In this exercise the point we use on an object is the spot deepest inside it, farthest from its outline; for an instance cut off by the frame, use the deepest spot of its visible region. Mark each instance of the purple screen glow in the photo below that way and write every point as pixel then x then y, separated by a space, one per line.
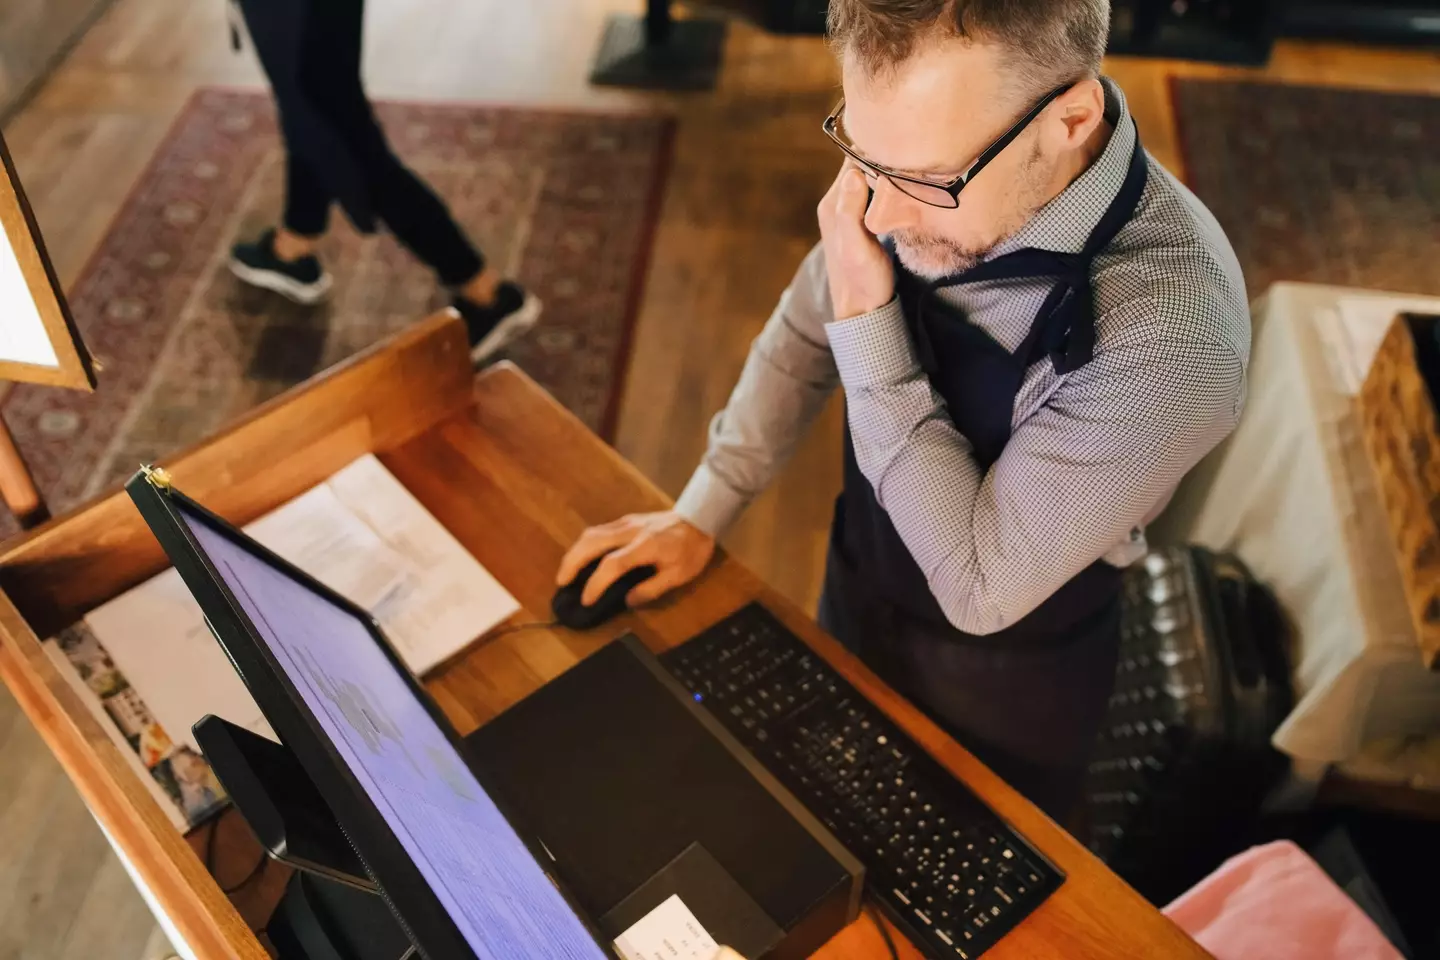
pixel 502 902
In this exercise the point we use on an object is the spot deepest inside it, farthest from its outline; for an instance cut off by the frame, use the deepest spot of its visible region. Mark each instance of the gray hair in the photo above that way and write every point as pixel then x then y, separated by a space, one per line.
pixel 1047 42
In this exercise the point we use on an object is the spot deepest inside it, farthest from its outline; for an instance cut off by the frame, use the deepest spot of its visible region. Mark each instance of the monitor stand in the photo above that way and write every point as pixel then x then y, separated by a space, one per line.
pixel 331 910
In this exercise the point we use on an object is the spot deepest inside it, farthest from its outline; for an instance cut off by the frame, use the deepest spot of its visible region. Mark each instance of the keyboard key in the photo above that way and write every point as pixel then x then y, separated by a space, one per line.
pixel 1016 887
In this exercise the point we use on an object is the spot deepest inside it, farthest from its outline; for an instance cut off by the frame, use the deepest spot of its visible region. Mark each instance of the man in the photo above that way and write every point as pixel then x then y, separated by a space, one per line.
pixel 1038 331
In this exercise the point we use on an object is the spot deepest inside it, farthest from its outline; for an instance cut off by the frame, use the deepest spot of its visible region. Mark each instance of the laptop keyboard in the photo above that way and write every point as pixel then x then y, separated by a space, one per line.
pixel 946 868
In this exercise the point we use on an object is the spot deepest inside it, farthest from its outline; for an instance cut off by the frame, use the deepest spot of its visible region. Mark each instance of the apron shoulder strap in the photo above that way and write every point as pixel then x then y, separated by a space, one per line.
pixel 1064 329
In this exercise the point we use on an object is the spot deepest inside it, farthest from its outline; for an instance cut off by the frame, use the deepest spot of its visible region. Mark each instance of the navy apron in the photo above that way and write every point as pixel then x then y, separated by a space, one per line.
pixel 1027 700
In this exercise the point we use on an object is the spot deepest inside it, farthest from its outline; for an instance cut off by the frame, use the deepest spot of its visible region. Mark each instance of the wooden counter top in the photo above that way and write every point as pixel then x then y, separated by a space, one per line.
pixel 515 478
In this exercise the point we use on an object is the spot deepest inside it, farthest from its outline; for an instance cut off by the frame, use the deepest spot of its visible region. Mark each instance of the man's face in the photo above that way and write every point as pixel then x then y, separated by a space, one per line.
pixel 932 118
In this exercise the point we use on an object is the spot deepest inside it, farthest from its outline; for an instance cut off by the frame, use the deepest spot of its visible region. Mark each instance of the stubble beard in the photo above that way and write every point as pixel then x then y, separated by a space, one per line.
pixel 933 257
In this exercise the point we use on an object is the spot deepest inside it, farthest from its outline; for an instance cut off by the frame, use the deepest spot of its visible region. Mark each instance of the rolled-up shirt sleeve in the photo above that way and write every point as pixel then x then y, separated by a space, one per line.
pixel 1074 478
pixel 788 376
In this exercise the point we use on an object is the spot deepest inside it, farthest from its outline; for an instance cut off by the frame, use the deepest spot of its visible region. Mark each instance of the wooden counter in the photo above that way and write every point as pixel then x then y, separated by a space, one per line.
pixel 515 478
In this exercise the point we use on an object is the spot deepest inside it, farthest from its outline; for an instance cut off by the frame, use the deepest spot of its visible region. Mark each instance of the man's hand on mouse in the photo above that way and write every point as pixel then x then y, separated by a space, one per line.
pixel 862 276
pixel 677 550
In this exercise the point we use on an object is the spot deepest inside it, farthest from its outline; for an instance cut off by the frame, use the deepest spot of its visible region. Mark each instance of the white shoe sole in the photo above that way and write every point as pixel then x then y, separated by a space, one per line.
pixel 507 331
pixel 308 294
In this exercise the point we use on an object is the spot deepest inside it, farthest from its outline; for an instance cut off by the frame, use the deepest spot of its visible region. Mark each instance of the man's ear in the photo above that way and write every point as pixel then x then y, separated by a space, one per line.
pixel 1082 109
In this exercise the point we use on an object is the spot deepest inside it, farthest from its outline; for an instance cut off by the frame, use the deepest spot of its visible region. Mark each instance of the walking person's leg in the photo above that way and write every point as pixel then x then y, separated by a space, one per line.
pixel 318 53
pixel 496 311
pixel 283 259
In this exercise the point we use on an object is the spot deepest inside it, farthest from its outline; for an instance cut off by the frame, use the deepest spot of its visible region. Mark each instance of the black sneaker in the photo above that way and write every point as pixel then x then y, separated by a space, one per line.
pixel 304 280
pixel 494 327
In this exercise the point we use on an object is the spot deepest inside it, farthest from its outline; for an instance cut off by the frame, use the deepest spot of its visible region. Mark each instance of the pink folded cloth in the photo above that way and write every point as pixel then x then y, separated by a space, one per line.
pixel 1275 903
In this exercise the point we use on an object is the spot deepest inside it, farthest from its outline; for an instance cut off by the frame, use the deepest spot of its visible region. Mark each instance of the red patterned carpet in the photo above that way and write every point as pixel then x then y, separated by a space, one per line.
pixel 566 201
pixel 1319 184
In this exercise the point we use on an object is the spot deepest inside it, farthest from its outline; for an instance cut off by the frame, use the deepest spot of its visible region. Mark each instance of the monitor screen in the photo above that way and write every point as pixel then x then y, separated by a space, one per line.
pixel 483 874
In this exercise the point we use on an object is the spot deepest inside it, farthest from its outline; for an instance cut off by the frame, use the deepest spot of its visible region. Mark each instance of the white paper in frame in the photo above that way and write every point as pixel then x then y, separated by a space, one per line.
pixel 38 339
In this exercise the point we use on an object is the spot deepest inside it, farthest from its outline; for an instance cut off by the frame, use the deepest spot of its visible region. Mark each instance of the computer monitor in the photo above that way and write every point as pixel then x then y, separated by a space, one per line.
pixel 458 876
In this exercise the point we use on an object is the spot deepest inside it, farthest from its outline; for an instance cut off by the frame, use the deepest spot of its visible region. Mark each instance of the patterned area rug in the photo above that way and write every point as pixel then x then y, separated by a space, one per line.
pixel 565 201
pixel 1318 184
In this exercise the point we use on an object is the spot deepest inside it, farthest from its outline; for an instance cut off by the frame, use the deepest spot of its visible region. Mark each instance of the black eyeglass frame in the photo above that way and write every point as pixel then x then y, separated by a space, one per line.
pixel 951 187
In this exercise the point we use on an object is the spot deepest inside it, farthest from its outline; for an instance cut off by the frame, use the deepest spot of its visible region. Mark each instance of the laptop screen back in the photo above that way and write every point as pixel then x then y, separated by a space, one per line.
pixel 487 880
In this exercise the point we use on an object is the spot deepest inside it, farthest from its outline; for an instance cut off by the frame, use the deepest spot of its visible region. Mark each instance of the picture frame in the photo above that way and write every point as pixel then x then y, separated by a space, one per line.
pixel 39 342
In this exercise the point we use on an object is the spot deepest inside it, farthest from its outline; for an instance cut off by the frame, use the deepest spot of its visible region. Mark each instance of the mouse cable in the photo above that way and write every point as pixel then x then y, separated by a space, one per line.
pixel 501 631
pixel 879 922
pixel 510 628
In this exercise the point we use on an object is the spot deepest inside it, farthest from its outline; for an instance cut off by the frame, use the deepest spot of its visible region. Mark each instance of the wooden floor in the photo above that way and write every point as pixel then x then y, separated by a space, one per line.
pixel 750 165
pixel 35 33
pixel 63 893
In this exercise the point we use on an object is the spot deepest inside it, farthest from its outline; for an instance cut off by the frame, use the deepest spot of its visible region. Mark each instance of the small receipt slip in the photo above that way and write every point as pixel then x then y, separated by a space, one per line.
pixel 669 932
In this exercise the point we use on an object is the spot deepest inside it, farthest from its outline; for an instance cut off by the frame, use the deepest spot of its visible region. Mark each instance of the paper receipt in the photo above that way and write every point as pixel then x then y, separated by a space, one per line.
pixel 669 932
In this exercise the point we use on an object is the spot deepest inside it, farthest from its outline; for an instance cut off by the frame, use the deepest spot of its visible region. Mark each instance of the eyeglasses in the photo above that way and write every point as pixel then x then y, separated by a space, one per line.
pixel 936 194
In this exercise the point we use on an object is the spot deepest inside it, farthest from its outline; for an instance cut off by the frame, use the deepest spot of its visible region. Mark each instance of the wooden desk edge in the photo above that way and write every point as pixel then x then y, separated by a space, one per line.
pixel 200 912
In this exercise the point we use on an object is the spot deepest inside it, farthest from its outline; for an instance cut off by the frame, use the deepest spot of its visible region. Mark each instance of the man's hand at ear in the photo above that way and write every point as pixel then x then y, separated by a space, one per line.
pixel 862 278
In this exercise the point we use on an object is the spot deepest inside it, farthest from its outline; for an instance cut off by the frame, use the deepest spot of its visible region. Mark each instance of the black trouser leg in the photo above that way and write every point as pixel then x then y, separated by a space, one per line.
pixel 407 206
pixel 330 79
pixel 307 200
pixel 421 221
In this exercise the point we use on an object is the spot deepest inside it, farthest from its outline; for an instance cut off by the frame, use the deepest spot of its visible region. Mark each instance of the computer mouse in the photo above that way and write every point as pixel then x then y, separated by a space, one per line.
pixel 570 612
